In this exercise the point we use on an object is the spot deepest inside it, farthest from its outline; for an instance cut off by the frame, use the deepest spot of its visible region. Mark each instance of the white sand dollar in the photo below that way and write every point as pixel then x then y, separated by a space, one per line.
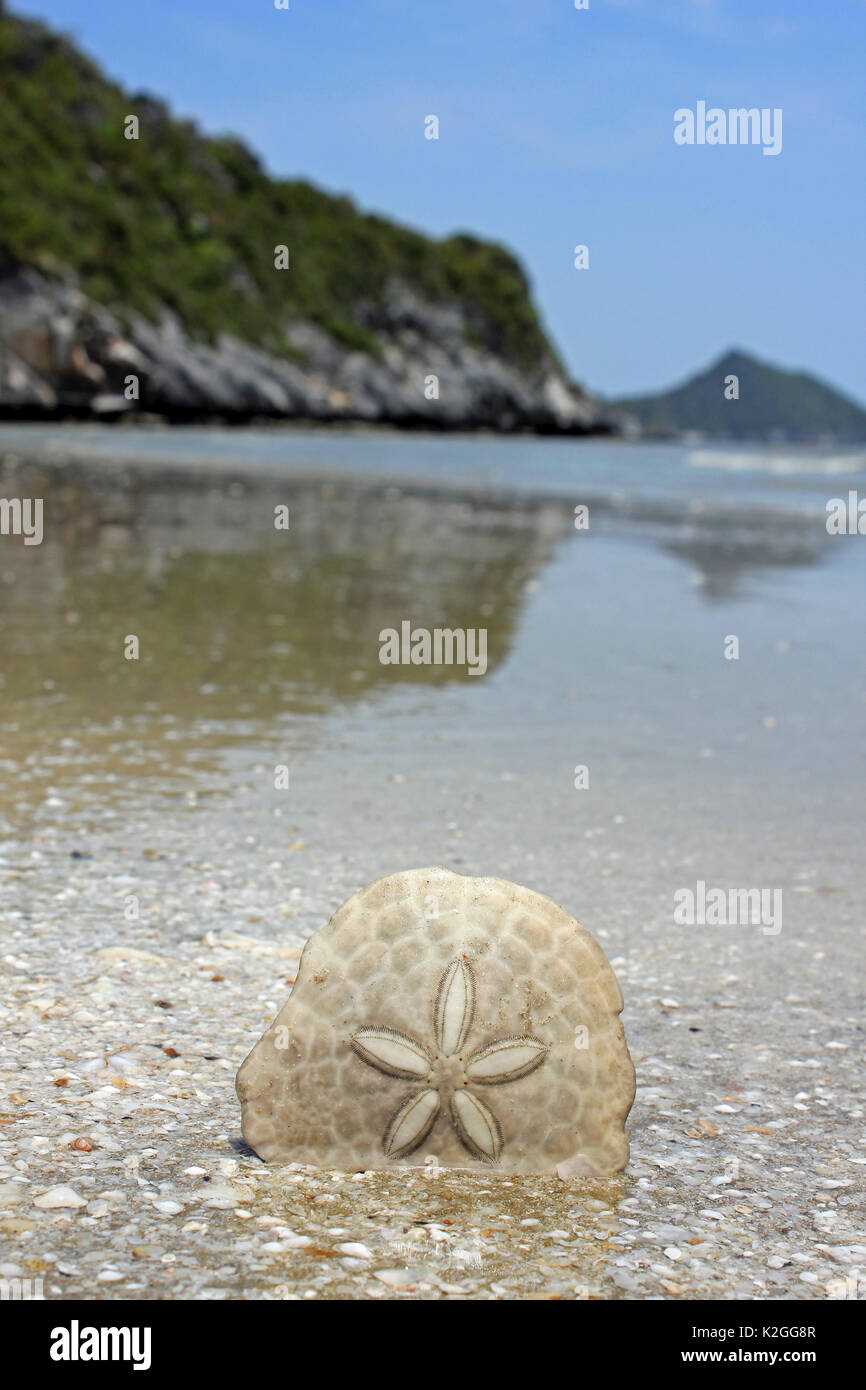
pixel 437 1014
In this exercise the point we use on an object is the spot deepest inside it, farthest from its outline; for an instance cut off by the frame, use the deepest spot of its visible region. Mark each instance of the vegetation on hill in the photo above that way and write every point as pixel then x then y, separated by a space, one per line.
pixel 183 221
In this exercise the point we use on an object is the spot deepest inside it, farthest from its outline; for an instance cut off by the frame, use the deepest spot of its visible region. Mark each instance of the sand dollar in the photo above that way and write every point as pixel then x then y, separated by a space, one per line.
pixel 440 1015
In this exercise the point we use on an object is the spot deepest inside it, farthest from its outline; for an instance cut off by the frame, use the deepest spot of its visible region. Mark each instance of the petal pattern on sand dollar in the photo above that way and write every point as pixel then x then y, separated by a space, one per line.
pixel 411 1124
pixel 448 1073
pixel 455 1007
pixel 477 1127
pixel 394 1053
pixel 506 1060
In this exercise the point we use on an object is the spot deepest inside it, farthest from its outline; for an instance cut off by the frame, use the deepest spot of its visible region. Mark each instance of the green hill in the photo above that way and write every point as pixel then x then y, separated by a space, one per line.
pixel 772 404
pixel 180 219
pixel 173 236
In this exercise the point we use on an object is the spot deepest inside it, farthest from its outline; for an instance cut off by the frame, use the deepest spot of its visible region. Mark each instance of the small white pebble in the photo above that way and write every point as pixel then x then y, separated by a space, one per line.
pixel 356 1249
pixel 59 1197
pixel 394 1278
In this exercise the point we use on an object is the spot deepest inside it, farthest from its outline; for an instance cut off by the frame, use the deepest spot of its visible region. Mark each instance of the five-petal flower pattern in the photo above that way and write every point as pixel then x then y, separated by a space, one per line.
pixel 446 1074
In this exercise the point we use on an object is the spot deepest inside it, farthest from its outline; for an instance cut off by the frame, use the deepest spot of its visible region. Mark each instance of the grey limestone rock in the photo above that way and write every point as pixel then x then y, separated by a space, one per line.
pixel 59 352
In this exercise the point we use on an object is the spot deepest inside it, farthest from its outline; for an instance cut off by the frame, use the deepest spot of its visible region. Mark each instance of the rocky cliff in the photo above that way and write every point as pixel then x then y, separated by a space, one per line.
pixel 63 354
pixel 141 271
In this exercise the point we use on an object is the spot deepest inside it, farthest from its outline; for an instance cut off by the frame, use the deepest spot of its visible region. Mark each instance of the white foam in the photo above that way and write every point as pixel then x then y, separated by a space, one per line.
pixel 774 462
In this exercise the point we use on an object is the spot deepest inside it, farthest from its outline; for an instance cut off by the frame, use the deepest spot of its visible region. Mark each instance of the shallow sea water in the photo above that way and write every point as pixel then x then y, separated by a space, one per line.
pixel 154 780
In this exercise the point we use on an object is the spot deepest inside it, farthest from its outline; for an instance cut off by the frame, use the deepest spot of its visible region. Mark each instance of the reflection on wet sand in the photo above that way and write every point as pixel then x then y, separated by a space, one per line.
pixel 722 563
pixel 241 624
pixel 238 622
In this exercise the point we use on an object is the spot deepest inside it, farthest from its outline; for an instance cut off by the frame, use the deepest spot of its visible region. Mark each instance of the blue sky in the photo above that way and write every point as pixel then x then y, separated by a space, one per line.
pixel 556 128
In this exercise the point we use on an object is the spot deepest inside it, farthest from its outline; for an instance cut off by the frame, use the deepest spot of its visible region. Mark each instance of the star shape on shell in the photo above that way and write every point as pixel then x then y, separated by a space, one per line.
pixel 446 1074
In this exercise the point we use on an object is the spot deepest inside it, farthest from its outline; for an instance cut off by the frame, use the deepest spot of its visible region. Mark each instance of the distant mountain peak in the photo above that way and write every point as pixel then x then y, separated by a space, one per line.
pixel 767 402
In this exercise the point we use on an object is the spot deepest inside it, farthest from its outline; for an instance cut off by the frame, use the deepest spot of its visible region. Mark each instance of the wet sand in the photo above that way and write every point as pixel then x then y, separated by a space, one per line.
pixel 148 788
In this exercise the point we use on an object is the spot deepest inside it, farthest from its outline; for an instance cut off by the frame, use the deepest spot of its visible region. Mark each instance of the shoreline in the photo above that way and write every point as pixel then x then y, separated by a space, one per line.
pixel 158 885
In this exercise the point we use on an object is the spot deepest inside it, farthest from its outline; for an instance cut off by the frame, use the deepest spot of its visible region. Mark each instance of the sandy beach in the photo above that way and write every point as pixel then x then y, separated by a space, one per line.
pixel 157 888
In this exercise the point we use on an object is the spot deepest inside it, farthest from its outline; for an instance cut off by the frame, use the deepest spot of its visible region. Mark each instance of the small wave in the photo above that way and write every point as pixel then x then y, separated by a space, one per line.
pixel 775 462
